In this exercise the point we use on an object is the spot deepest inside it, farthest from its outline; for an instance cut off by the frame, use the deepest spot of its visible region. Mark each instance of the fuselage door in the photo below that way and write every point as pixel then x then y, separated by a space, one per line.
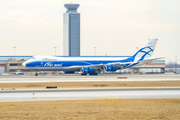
pixel 41 64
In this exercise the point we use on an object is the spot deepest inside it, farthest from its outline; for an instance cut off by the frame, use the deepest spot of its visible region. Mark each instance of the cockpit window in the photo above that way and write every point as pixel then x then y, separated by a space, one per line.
pixel 33 58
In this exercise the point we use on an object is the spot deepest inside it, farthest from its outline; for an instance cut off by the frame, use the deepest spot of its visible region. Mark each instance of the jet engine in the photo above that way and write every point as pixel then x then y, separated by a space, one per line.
pixel 84 70
pixel 110 68
pixel 88 70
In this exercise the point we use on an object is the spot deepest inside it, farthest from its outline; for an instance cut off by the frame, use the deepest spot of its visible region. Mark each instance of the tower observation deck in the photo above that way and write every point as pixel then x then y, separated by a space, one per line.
pixel 71 31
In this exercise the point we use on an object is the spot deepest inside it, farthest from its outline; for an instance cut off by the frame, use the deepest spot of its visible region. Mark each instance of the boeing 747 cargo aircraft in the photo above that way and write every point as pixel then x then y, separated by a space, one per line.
pixel 93 65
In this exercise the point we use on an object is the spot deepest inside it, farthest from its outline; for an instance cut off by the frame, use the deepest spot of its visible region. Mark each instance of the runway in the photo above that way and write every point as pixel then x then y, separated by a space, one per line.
pixel 89 94
pixel 78 78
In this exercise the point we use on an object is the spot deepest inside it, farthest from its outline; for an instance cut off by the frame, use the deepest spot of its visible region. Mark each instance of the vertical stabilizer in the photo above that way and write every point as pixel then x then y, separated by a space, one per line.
pixel 146 51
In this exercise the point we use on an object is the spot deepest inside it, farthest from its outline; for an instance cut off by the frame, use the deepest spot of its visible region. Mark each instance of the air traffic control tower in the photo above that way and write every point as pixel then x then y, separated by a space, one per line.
pixel 71 31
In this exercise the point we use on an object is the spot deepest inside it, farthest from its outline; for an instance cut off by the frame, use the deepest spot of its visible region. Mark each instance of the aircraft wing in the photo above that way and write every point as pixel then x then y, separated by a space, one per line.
pixel 118 64
pixel 99 65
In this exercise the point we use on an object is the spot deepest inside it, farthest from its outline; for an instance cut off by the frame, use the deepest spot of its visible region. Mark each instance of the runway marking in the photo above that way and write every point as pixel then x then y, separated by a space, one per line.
pixel 76 97
pixel 52 80
pixel 138 80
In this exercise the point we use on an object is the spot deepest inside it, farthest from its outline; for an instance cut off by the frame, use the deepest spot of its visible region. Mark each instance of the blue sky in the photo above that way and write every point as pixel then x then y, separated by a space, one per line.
pixel 114 27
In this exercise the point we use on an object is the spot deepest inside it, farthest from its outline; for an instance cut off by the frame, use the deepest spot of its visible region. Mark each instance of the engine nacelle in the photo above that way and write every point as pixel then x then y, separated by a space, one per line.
pixel 110 68
pixel 91 70
pixel 84 70
pixel 114 67
pixel 88 70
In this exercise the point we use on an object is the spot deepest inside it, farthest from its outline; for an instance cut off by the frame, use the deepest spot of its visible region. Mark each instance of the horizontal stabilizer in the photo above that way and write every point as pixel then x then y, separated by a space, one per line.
pixel 149 60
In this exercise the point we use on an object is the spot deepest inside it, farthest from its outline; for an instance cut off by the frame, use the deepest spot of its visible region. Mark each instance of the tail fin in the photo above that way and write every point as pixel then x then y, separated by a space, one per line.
pixel 146 51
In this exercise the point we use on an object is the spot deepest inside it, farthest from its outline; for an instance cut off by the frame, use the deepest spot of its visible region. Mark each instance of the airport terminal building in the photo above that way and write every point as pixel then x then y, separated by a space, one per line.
pixel 13 63
pixel 10 64
pixel 155 67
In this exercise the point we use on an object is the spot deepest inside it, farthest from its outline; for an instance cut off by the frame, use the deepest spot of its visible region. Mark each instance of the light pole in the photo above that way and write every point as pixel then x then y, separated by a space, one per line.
pixel 14 50
pixel 94 51
pixel 55 50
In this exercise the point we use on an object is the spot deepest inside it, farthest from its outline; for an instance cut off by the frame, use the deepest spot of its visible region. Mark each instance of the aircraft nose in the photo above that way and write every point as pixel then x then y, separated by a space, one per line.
pixel 24 64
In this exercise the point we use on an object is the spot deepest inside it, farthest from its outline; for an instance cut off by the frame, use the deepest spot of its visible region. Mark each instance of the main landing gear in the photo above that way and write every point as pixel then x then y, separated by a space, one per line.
pixel 95 73
pixel 36 74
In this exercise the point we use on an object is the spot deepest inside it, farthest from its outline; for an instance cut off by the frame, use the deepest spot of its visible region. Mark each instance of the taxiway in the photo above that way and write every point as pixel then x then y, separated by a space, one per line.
pixel 78 78
pixel 89 94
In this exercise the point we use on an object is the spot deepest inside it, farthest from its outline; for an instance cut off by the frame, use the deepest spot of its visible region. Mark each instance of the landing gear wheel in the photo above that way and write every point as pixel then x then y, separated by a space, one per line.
pixel 95 73
pixel 83 74
pixel 36 74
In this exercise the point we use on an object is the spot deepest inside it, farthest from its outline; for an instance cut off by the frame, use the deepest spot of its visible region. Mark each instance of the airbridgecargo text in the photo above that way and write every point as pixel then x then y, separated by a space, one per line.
pixel 49 64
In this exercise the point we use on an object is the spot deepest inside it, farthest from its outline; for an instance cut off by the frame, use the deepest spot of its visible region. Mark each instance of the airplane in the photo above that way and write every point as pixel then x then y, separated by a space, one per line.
pixel 93 65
